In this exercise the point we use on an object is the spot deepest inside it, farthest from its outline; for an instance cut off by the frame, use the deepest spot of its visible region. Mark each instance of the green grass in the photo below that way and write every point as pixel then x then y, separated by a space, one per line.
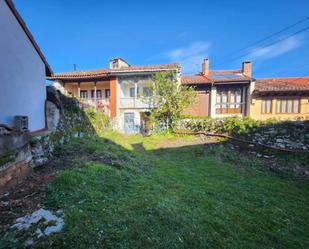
pixel 188 197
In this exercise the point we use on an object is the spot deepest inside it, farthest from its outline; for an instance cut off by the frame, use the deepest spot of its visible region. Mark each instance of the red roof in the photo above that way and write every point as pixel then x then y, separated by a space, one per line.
pixel 215 77
pixel 28 33
pixel 105 72
pixel 195 79
pixel 282 84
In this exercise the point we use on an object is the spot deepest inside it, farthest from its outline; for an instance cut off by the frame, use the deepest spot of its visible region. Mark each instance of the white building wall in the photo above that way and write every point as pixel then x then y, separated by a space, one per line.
pixel 22 74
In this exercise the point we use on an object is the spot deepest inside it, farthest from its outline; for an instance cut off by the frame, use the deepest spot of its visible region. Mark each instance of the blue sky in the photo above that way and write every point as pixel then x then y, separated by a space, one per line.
pixel 89 33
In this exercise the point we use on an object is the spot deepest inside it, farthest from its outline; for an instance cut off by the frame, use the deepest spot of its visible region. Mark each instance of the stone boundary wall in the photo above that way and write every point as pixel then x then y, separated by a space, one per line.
pixel 292 135
pixel 21 152
pixel 65 120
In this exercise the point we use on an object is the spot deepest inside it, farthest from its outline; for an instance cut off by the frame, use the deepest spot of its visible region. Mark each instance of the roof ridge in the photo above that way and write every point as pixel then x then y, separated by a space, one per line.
pixel 117 69
pixel 291 77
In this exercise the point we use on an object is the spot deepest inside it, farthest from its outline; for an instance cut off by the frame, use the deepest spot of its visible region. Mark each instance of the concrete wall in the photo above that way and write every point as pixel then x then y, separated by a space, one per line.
pixel 256 110
pixel 22 74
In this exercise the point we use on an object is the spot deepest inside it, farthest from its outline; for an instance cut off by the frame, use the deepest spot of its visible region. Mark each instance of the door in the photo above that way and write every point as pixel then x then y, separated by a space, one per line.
pixel 129 122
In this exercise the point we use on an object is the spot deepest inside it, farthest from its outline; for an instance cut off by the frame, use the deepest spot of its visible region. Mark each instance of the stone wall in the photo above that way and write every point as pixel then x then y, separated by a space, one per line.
pixel 292 135
pixel 65 120
pixel 20 152
pixel 286 135
pixel 15 158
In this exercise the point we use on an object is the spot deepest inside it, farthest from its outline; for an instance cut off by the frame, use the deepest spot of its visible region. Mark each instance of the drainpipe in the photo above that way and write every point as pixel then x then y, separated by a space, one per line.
pixel 213 96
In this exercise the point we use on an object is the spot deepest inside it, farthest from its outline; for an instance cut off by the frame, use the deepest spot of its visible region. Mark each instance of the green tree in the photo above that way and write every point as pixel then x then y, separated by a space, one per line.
pixel 168 98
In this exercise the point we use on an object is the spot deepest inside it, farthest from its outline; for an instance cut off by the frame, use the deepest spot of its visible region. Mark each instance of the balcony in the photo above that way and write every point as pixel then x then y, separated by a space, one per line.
pixel 99 104
pixel 129 102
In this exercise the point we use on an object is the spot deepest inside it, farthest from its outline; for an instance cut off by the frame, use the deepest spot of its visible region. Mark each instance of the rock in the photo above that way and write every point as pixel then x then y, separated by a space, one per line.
pixel 280 145
pixel 4 203
pixel 53 116
pixel 4 131
pixel 29 242
pixel 54 97
pixel 61 141
pixel 53 224
pixel 268 156
pixel 279 140
pixel 39 233
pixel 40 161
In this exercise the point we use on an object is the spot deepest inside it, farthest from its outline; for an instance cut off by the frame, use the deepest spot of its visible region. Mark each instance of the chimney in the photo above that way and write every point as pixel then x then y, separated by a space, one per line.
pixel 246 68
pixel 74 67
pixel 205 67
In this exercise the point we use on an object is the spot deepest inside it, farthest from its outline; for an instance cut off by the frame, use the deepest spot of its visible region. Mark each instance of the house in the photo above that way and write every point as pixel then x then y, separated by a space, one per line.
pixel 116 90
pixel 234 92
pixel 280 98
pixel 23 69
pixel 220 93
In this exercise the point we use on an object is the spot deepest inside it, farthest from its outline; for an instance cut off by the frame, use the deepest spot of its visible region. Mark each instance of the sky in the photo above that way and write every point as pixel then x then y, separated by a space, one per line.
pixel 90 33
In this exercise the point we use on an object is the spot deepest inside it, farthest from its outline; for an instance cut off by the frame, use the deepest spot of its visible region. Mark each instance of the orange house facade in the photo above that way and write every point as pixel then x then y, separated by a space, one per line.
pixel 116 90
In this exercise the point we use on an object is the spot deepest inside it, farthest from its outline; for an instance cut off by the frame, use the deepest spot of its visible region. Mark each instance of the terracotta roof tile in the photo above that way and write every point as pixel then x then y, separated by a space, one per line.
pixel 194 79
pixel 105 72
pixel 282 84
pixel 215 77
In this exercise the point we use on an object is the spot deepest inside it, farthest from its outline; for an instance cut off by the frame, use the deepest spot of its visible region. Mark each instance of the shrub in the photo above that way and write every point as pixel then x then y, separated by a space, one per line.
pixel 230 125
pixel 99 120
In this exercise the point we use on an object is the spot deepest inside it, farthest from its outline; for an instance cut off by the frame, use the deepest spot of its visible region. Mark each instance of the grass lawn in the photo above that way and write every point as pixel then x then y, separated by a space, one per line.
pixel 135 192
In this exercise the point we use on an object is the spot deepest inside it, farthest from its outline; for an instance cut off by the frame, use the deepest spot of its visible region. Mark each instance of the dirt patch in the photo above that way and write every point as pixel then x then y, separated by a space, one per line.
pixel 25 197
pixel 197 140
pixel 28 195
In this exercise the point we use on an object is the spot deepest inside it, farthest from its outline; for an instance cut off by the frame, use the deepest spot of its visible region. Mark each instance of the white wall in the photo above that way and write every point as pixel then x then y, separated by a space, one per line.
pixel 22 74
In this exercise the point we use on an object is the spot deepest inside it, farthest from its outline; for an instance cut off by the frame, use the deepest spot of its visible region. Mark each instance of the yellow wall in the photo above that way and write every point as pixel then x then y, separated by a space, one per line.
pixel 73 87
pixel 256 110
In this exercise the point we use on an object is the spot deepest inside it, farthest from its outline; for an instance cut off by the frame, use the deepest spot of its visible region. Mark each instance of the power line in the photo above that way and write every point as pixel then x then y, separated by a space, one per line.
pixel 270 44
pixel 267 37
pixel 290 67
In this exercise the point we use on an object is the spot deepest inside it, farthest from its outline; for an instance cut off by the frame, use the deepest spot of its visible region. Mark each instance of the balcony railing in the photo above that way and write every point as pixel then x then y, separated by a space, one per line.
pixel 128 102
pixel 99 104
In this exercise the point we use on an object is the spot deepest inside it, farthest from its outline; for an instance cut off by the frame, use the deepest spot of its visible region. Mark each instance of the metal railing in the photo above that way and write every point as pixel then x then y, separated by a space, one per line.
pixel 99 104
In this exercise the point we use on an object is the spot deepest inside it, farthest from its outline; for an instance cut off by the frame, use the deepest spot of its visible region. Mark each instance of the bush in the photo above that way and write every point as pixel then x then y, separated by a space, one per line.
pixel 98 119
pixel 230 125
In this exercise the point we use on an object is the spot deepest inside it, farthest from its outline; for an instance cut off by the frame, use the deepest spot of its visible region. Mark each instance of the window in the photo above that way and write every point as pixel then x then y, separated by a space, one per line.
pixel 84 94
pixel 147 92
pixel 288 105
pixel 107 93
pixel 266 105
pixel 115 64
pixel 228 101
pixel 99 94
pixel 132 92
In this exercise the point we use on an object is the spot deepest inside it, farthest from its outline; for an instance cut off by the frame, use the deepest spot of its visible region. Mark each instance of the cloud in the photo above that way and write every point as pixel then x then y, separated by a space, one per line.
pixel 191 56
pixel 275 50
